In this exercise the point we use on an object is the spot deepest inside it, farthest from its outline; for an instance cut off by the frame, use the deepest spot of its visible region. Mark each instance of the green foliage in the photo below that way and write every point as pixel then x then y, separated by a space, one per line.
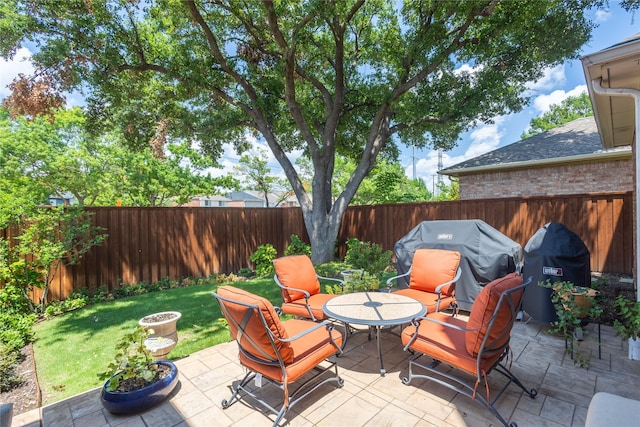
pixel 297 247
pixel 263 259
pixel 75 301
pixel 627 325
pixel 8 361
pixel 256 173
pixel 367 256
pixel 245 272
pixel 352 88
pixel 572 108
pixel 43 158
pixel 133 361
pixel 355 281
pixel 48 238
pixel 16 331
pixel 571 312
pixel 331 269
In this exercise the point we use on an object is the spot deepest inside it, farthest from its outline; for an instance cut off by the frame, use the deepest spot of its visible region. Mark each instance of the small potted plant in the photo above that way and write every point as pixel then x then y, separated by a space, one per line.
pixel 627 324
pixel 135 381
pixel 573 305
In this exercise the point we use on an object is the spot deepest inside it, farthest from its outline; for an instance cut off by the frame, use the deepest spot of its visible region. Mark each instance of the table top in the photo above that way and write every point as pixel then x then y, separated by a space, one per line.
pixel 374 308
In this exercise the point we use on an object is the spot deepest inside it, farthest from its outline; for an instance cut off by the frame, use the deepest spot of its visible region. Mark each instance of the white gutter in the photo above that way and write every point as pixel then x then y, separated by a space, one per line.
pixel 635 94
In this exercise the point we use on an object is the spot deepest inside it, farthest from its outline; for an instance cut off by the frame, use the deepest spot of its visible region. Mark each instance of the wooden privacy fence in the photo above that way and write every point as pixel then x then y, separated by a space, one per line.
pixel 149 244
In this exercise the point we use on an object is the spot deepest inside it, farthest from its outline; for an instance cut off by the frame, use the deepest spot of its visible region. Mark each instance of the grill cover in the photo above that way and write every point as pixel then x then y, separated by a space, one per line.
pixel 556 253
pixel 486 253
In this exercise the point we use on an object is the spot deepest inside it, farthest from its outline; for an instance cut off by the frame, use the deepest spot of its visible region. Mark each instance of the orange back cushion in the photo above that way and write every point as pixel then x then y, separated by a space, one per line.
pixel 433 267
pixel 296 271
pixel 483 308
pixel 254 339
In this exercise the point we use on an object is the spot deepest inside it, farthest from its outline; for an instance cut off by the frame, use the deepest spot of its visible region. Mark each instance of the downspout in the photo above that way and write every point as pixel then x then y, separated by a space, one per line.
pixel 596 84
pixel 635 94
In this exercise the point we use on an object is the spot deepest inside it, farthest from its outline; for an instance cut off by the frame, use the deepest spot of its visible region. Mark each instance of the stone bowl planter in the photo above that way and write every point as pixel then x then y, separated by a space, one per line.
pixel 164 335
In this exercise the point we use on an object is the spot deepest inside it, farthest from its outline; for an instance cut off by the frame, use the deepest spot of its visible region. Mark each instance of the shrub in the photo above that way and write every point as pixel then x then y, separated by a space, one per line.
pixel 8 362
pixel 263 259
pixel 297 247
pixel 245 272
pixel 367 256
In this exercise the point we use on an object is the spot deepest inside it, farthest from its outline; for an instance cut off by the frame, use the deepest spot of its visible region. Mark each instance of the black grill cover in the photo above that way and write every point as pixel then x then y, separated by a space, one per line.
pixel 556 253
pixel 486 253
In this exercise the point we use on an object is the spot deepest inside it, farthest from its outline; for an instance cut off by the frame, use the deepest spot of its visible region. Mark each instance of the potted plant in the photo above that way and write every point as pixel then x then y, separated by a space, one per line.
pixel 164 336
pixel 573 305
pixel 135 381
pixel 627 324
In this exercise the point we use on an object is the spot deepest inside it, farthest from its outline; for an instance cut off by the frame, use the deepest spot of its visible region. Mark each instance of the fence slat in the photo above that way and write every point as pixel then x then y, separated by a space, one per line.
pixel 148 244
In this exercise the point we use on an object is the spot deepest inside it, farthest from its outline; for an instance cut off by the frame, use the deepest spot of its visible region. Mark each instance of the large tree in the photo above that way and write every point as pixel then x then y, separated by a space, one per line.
pixel 353 77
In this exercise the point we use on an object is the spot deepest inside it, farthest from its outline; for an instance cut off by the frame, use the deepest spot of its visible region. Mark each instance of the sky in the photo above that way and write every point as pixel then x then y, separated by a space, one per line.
pixel 613 26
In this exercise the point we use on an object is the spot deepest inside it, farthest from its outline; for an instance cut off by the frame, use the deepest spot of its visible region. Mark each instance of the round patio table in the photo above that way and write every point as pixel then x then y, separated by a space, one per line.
pixel 374 309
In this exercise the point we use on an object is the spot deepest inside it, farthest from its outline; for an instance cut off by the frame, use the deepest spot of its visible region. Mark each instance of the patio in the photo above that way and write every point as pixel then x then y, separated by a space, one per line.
pixel 367 399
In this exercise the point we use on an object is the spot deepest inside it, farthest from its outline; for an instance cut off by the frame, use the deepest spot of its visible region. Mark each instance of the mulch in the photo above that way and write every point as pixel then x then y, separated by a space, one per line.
pixel 27 395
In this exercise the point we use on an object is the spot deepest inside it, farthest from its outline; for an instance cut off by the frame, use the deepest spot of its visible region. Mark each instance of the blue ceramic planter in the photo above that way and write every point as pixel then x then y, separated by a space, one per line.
pixel 141 399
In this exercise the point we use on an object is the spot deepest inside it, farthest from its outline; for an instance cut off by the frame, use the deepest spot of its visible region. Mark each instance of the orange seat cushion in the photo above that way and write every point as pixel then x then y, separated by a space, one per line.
pixel 296 271
pixel 433 267
pixel 299 308
pixel 308 351
pixel 428 299
pixel 255 339
pixel 446 344
pixel 483 308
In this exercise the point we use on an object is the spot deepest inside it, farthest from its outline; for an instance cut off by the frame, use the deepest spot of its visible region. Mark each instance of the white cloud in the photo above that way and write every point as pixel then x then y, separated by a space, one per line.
pixel 603 15
pixel 483 139
pixel 543 103
pixel 552 77
pixel 9 70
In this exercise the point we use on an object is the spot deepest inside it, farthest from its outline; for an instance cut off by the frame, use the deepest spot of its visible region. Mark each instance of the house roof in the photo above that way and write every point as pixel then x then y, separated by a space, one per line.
pixel 244 195
pixel 576 141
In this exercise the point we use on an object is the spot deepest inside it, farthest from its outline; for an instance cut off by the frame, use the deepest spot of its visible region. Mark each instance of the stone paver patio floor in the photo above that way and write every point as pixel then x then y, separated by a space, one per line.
pixel 367 399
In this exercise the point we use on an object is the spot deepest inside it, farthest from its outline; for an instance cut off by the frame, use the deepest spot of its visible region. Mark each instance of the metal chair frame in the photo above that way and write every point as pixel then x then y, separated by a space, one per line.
pixel 290 397
pixel 459 384
pixel 307 295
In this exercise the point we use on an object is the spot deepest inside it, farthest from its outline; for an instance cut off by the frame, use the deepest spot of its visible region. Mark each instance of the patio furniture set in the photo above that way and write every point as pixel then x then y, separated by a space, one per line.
pixel 301 350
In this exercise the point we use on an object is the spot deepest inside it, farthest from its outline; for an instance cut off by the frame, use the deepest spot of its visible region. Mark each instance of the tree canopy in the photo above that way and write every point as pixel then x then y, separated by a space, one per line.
pixel 54 156
pixel 349 77
pixel 574 107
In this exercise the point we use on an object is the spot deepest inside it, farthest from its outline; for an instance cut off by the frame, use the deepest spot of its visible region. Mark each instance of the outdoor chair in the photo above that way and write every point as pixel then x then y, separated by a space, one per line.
pixel 432 278
pixel 300 286
pixel 473 348
pixel 279 352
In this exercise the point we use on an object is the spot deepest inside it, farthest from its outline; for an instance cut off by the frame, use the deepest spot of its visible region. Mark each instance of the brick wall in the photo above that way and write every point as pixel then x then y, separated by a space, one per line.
pixel 573 178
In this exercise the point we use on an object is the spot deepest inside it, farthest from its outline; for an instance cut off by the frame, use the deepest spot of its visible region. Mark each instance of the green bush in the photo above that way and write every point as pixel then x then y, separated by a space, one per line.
pixel 367 256
pixel 8 361
pixel 297 247
pixel 263 259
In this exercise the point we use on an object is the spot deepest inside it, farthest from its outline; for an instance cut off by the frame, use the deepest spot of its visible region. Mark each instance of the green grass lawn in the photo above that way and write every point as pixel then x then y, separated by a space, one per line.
pixel 71 349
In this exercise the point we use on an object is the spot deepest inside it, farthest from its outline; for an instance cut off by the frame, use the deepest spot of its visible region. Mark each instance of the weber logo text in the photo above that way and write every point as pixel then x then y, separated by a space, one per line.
pixel 552 271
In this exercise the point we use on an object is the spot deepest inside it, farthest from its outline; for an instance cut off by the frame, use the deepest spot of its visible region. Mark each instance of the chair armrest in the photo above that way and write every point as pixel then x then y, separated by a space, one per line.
pixel 335 279
pixel 454 280
pixel 306 294
pixel 391 279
